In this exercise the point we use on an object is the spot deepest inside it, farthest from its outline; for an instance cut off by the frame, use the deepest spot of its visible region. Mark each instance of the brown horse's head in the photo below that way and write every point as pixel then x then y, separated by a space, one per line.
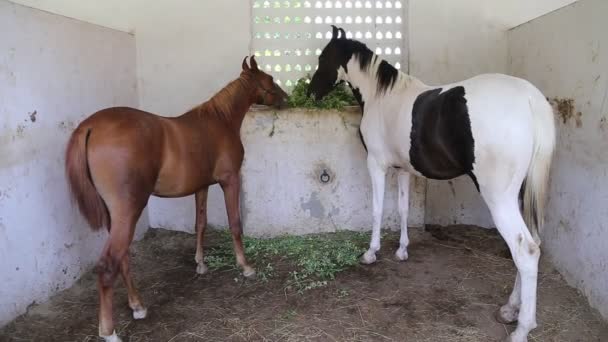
pixel 266 91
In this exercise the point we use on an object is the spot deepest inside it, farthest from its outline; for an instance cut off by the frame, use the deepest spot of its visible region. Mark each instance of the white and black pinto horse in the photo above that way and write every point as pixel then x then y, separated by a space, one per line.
pixel 497 129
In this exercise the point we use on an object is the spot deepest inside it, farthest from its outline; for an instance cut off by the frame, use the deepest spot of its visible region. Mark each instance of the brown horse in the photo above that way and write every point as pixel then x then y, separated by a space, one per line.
pixel 118 157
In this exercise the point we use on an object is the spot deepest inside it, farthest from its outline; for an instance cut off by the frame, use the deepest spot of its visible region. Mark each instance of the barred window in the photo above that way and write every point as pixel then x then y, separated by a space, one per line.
pixel 288 35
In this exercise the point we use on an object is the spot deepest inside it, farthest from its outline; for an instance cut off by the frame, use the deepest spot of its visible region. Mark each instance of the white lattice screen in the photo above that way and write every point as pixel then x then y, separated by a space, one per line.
pixel 288 35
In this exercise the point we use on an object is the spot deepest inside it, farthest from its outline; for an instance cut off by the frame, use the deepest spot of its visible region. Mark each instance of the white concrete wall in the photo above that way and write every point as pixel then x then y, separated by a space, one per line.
pixel 452 40
pixel 517 12
pixel 115 14
pixel 286 155
pixel 62 70
pixel 120 14
pixel 565 54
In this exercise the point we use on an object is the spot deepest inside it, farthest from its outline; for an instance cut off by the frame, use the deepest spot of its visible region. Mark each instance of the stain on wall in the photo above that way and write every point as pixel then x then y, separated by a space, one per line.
pixel 313 206
pixel 566 112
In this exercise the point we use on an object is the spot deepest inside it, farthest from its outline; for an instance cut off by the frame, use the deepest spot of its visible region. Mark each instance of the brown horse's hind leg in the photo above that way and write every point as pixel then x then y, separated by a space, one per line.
pixel 201 224
pixel 135 303
pixel 231 187
pixel 116 249
pixel 105 290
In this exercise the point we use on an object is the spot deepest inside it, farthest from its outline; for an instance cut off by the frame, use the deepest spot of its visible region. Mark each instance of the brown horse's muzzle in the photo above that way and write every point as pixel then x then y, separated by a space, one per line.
pixel 280 97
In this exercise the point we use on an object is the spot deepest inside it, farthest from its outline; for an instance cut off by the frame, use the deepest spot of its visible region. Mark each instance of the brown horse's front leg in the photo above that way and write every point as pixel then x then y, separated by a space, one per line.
pixel 231 186
pixel 201 224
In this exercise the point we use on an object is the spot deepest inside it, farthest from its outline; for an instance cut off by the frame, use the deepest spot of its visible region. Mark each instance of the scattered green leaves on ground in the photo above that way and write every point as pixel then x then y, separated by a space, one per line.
pixel 341 96
pixel 313 259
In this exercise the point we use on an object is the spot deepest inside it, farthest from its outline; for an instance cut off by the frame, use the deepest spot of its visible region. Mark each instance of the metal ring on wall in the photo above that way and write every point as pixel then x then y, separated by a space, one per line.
pixel 325 177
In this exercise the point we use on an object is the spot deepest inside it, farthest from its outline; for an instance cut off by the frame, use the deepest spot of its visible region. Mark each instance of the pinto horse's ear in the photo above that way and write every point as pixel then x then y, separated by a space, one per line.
pixel 334 33
pixel 254 64
pixel 342 33
pixel 245 66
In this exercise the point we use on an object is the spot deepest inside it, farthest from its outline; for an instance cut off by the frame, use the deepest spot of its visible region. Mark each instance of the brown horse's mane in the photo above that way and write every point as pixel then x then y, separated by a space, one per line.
pixel 225 102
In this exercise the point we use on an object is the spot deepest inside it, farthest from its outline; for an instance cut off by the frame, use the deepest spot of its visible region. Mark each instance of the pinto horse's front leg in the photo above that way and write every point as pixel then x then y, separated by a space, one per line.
pixel 378 176
pixel 231 185
pixel 404 192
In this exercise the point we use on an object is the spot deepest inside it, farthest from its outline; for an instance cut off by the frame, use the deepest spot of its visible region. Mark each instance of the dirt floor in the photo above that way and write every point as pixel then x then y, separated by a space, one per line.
pixel 448 290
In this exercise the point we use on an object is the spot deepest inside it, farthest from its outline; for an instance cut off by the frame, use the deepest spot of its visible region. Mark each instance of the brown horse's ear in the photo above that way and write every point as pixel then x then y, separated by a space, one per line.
pixel 245 66
pixel 342 33
pixel 334 32
pixel 254 64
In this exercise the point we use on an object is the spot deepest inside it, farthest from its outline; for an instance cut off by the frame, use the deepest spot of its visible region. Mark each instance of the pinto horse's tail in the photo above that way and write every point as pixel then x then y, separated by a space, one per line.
pixel 82 189
pixel 535 186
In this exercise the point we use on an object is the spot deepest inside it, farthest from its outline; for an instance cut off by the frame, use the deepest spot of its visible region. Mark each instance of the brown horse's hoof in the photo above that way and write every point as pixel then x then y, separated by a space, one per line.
pixel 249 273
pixel 140 313
pixel 506 315
pixel 201 268
pixel 111 338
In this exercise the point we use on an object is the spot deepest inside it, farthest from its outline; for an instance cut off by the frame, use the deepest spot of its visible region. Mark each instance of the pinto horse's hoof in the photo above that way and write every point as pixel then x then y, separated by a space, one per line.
pixel 201 268
pixel 401 254
pixel 514 338
pixel 506 315
pixel 368 258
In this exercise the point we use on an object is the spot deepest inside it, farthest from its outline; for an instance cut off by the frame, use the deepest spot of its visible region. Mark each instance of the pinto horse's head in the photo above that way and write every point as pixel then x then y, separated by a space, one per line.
pixel 334 56
pixel 266 91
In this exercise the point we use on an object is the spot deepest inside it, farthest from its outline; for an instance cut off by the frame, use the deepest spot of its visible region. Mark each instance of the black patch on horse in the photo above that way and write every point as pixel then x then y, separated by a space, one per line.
pixel 442 145
pixel 357 95
pixel 362 140
pixel 364 54
pixel 387 76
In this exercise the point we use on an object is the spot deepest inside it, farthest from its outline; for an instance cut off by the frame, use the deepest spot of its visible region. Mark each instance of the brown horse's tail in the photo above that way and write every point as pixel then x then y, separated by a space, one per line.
pixel 83 191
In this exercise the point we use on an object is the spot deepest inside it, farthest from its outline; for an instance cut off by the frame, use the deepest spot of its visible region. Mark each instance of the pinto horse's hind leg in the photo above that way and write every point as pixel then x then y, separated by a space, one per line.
pixel 378 176
pixel 231 187
pixel 526 253
pixel 201 224
pixel 507 314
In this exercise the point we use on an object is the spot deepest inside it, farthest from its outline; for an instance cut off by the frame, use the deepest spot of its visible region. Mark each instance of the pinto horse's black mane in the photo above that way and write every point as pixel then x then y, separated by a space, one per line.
pixel 386 74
